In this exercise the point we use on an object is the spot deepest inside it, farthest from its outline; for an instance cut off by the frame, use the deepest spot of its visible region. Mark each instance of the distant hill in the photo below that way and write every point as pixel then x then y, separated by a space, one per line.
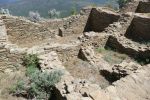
pixel 22 7
pixel 6 1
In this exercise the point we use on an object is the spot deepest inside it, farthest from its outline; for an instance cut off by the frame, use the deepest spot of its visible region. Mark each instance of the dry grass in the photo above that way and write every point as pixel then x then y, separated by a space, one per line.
pixel 111 56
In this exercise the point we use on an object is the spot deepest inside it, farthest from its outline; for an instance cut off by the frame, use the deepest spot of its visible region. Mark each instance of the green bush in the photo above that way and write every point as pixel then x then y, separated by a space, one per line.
pixel 30 70
pixel 18 88
pixel 39 85
pixel 43 83
pixel 31 60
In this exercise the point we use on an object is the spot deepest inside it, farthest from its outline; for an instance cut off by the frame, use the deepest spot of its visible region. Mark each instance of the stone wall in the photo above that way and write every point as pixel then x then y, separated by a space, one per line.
pixel 99 19
pixel 128 47
pixel 52 23
pixel 73 25
pixel 22 31
pixel 139 30
pixel 144 7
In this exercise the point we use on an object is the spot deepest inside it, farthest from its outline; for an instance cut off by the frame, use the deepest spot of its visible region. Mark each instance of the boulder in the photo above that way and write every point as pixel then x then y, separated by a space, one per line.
pixel 87 54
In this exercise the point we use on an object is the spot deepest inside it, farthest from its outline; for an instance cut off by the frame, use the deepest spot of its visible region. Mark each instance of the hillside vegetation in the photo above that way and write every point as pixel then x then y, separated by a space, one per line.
pixel 22 7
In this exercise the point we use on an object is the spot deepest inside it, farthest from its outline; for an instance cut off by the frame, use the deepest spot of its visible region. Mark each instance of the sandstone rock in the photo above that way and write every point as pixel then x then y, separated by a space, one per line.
pixel 86 98
pixel 99 95
pixel 86 90
pixel 87 54
pixel 73 96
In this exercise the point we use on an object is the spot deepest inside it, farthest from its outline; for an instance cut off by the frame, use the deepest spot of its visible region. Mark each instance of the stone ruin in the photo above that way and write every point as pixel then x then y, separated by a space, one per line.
pixel 71 45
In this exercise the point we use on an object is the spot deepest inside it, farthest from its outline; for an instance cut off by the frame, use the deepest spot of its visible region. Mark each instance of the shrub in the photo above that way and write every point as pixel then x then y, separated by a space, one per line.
pixel 43 83
pixel 31 61
pixel 34 16
pixel 39 86
pixel 30 70
pixel 18 88
pixel 54 13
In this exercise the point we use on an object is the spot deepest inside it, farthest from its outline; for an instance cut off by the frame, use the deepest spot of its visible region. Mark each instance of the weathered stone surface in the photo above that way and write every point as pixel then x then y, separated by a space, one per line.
pixel 126 68
pixel 50 62
pixel 98 95
pixel 87 54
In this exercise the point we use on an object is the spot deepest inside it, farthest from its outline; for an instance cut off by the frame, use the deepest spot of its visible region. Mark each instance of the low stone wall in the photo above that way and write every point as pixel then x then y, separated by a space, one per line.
pixel 129 48
pixel 94 39
pixel 64 51
pixel 52 23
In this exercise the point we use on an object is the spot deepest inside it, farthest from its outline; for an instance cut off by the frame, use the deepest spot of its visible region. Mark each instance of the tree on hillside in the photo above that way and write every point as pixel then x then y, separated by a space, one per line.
pixel 54 13
pixel 112 3
pixel 4 11
pixel 34 16
pixel 122 2
pixel 73 10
